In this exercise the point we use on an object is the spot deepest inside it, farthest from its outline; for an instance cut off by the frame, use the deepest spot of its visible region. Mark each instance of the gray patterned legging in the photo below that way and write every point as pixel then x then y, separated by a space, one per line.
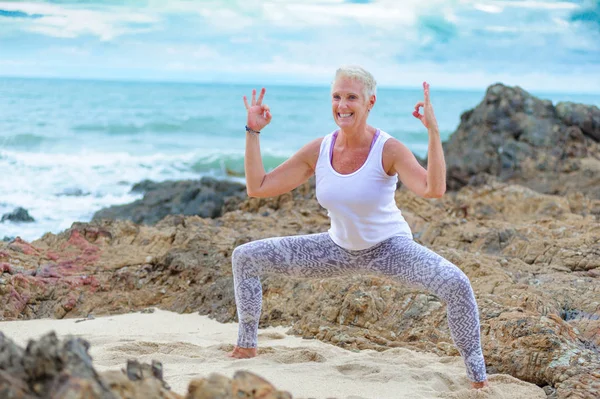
pixel 399 257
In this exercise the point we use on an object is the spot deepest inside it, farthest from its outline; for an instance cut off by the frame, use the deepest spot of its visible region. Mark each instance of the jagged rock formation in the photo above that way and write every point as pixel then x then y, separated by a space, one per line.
pixel 49 368
pixel 528 141
pixel 19 215
pixel 205 197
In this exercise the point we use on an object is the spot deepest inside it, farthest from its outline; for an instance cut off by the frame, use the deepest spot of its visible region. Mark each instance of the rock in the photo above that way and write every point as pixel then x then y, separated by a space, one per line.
pixel 11 357
pixel 144 186
pixel 249 385
pixel 521 139
pixel 243 385
pixel 49 368
pixel 73 192
pixel 205 198
pixel 586 117
pixel 18 215
pixel 215 386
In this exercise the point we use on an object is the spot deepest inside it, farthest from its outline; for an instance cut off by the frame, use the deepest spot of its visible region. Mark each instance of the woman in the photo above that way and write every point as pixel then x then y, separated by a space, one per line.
pixel 356 169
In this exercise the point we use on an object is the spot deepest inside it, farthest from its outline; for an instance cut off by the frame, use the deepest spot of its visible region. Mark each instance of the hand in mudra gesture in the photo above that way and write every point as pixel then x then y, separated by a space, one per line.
pixel 259 114
pixel 428 117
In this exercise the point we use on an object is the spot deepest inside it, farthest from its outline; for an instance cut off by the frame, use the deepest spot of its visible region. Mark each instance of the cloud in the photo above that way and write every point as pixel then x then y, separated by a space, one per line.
pixel 18 14
pixel 71 21
pixel 70 50
pixel 589 14
pixel 376 15
pixel 488 8
pixel 440 29
pixel 306 40
pixel 197 52
pixel 538 5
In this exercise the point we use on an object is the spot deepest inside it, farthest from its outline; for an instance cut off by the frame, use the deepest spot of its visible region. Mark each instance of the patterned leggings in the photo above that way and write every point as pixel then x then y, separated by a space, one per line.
pixel 399 257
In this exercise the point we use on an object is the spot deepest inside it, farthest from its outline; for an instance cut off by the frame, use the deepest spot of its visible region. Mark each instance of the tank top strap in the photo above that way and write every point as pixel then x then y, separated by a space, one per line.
pixel 324 144
pixel 324 151
pixel 378 151
pixel 383 137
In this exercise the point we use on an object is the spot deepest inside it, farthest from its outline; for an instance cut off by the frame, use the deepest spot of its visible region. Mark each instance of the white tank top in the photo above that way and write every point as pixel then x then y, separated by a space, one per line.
pixel 361 204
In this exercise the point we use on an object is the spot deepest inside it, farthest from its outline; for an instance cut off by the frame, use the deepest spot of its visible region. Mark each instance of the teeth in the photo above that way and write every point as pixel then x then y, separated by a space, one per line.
pixel 345 115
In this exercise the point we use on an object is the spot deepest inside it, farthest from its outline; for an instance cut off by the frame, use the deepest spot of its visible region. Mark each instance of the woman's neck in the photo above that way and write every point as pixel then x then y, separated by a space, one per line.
pixel 356 138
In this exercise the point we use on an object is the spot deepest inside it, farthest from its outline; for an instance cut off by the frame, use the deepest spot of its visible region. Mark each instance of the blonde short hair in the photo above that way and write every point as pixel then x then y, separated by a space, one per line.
pixel 360 74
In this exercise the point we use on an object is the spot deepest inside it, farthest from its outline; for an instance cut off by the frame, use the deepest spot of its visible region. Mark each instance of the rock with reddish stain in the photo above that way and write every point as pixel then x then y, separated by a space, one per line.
pixel 5 268
pixel 70 303
pixel 23 246
pixel 47 270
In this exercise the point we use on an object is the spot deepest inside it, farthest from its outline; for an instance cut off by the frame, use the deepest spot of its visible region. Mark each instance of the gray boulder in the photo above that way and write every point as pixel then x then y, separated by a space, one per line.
pixel 519 138
pixel 18 215
pixel 205 198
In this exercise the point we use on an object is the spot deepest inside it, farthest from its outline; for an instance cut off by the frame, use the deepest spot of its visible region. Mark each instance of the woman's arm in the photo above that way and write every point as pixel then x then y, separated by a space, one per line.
pixel 286 176
pixel 436 165
pixel 430 182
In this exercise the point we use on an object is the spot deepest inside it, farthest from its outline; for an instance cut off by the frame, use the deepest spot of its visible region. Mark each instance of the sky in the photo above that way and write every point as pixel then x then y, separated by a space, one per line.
pixel 540 45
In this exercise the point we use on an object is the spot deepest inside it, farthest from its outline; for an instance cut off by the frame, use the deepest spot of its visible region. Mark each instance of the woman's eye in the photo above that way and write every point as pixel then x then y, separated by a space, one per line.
pixel 336 97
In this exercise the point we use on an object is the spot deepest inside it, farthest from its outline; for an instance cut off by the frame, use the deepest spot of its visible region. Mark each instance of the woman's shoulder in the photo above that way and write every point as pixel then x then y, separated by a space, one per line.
pixel 309 153
pixel 393 149
pixel 388 139
pixel 385 135
pixel 311 150
pixel 317 144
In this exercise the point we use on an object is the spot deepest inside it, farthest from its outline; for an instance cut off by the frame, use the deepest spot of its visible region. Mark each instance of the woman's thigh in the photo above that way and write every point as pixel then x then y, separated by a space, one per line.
pixel 411 263
pixel 312 255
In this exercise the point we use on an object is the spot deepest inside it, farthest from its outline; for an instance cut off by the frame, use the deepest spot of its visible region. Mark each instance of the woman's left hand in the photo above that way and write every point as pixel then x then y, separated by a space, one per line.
pixel 428 117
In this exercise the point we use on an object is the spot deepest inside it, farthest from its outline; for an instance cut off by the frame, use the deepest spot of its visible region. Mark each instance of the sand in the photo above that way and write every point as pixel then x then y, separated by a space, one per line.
pixel 192 346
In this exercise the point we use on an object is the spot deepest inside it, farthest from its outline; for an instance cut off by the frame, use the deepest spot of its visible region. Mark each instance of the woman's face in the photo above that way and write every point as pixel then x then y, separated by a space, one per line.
pixel 349 105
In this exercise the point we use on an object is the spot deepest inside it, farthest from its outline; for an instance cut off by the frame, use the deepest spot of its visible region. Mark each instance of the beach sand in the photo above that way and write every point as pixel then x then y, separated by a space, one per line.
pixel 192 346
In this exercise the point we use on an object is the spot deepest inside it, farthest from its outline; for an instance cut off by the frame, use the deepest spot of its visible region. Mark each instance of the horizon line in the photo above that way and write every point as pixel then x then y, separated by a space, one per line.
pixel 276 83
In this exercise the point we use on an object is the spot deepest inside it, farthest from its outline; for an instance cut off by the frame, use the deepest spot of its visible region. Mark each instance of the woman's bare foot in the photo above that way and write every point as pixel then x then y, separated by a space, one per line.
pixel 478 385
pixel 242 353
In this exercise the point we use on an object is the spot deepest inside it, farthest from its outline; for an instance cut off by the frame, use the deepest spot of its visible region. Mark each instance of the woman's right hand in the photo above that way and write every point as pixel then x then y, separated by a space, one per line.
pixel 259 114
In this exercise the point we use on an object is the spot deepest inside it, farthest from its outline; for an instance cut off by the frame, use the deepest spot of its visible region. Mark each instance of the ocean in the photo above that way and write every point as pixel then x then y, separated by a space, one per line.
pixel 71 147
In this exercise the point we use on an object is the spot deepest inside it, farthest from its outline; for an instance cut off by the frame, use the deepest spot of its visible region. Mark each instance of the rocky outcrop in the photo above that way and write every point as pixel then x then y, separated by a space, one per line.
pixel 205 197
pixel 531 258
pixel 586 117
pixel 18 215
pixel 49 368
pixel 525 140
pixel 243 385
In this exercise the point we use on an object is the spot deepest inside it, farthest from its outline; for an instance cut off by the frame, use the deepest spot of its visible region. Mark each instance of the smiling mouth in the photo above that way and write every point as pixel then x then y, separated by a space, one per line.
pixel 345 115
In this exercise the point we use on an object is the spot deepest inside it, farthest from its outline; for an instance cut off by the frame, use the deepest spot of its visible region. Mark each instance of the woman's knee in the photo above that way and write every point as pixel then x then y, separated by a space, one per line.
pixel 241 258
pixel 458 285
